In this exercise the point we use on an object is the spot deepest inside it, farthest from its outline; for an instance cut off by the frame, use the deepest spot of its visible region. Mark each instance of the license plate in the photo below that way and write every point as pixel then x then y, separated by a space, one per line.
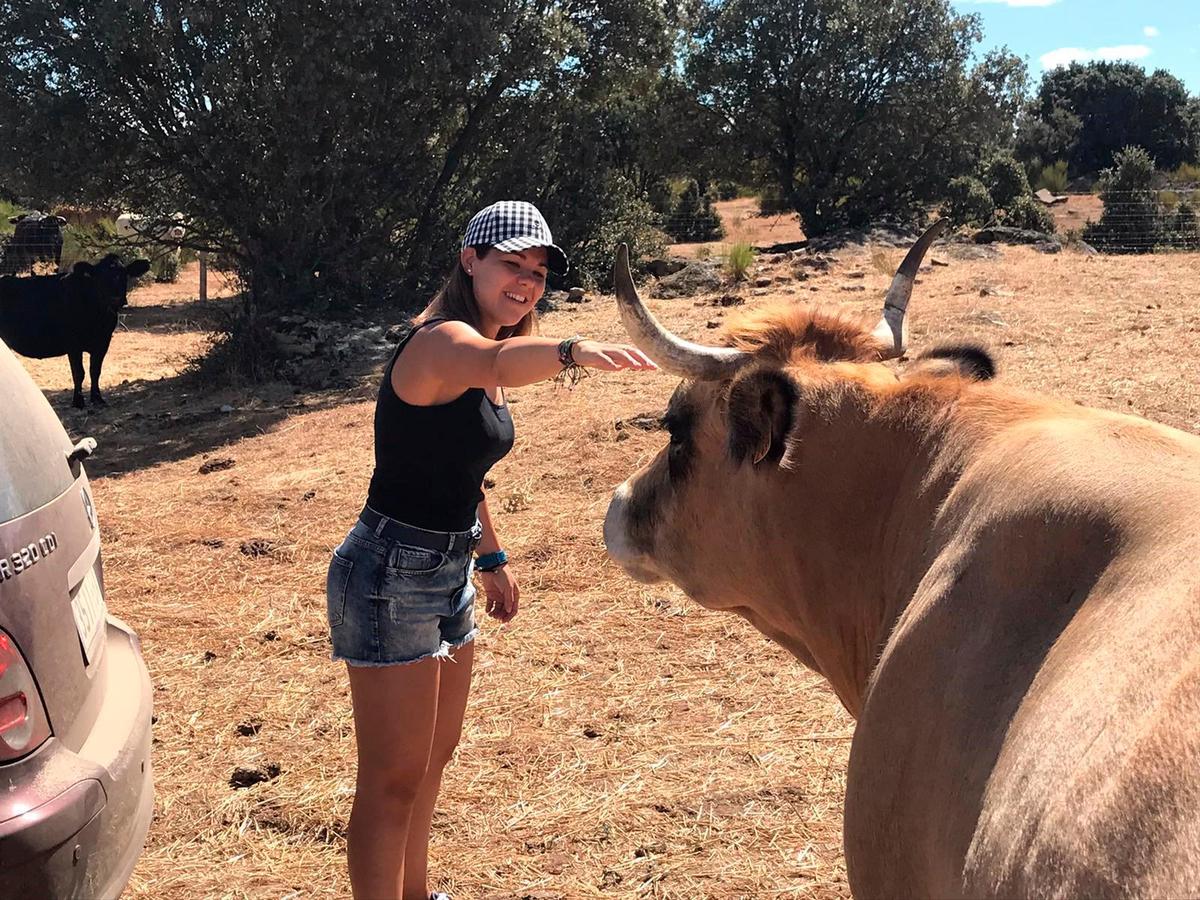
pixel 90 611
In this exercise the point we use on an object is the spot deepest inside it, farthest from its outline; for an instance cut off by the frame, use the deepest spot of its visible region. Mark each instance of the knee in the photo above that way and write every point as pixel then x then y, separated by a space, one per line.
pixel 394 790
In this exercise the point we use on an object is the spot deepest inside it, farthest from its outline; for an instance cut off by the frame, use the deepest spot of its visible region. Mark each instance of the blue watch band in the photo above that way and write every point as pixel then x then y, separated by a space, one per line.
pixel 489 561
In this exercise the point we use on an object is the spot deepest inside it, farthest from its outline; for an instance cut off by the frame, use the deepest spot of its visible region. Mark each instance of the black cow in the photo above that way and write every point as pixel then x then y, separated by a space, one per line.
pixel 55 315
pixel 37 237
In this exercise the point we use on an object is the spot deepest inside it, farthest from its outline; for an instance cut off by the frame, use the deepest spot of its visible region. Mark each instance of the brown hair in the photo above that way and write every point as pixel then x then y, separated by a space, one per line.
pixel 456 300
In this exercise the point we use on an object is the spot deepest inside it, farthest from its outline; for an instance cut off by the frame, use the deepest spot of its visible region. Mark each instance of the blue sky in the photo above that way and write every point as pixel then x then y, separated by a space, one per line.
pixel 1155 34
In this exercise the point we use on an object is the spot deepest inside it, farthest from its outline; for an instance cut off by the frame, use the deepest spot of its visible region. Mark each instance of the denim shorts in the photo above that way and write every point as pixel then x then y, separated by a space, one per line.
pixel 391 603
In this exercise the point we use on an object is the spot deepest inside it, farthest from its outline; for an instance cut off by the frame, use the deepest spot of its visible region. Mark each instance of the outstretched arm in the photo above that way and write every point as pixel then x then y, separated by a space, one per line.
pixel 462 358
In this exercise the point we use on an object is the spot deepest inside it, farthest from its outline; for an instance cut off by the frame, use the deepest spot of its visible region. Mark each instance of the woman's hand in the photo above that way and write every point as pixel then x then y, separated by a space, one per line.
pixel 610 357
pixel 503 595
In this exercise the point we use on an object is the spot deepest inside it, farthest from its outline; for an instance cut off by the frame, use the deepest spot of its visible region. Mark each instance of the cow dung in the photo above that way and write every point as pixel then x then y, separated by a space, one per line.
pixel 215 465
pixel 248 776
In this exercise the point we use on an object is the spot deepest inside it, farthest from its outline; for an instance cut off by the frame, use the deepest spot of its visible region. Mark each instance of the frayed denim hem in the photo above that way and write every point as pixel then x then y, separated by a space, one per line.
pixel 443 652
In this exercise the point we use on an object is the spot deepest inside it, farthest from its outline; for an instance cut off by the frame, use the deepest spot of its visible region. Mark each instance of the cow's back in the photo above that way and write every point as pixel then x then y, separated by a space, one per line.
pixel 45 315
pixel 1031 729
pixel 1114 810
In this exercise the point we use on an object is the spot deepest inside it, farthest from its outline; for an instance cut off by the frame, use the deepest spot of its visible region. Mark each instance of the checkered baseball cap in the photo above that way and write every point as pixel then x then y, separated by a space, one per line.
pixel 512 225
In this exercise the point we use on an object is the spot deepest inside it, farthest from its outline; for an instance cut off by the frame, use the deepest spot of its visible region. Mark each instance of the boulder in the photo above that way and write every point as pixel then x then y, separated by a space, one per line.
pixel 696 277
pixel 972 251
pixel 661 268
pixel 1044 196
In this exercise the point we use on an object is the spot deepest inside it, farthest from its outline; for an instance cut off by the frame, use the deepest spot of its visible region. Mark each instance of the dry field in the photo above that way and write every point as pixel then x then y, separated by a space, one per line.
pixel 745 224
pixel 621 742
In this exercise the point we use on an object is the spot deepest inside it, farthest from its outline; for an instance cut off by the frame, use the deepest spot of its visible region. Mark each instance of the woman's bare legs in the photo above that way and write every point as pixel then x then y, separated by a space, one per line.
pixel 454 686
pixel 395 718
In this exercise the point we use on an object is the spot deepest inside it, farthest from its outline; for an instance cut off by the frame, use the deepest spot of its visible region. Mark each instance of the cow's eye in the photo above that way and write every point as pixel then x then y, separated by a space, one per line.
pixel 675 430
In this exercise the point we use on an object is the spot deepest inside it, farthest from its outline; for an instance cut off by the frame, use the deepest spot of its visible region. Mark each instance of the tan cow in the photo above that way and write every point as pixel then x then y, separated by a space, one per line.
pixel 1003 589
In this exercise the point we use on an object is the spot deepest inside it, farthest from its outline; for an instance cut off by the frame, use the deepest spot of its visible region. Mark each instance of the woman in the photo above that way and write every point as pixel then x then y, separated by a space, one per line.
pixel 401 601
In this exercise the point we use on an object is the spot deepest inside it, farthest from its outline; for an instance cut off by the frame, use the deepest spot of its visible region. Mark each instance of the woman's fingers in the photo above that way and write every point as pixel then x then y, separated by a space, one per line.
pixel 635 359
pixel 615 357
pixel 642 360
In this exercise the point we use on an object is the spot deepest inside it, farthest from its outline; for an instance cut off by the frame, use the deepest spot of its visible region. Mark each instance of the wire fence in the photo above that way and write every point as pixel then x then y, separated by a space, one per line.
pixel 1146 221
pixel 43 257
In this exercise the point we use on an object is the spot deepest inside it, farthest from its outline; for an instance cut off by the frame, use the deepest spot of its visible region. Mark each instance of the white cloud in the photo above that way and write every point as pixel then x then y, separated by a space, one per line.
pixel 1019 2
pixel 1066 55
pixel 1150 31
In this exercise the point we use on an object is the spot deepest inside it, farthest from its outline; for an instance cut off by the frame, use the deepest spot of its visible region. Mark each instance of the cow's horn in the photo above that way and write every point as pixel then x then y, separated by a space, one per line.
pixel 669 352
pixel 892 331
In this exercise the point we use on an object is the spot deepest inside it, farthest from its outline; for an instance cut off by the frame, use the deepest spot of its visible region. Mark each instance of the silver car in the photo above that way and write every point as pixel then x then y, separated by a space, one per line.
pixel 76 795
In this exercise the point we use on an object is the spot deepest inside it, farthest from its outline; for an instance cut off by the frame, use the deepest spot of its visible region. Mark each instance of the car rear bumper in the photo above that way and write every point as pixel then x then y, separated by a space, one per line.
pixel 72 824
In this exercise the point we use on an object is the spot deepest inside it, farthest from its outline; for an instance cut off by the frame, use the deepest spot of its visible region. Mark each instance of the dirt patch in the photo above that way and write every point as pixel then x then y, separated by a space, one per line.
pixel 185 287
pixel 620 740
pixel 1076 212
pixel 744 224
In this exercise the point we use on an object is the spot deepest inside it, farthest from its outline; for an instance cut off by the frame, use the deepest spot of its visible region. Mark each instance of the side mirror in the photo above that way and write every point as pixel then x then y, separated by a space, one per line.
pixel 81 451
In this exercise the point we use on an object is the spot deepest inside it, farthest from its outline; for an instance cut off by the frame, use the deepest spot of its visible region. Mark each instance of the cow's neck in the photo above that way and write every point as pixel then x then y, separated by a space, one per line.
pixel 859 505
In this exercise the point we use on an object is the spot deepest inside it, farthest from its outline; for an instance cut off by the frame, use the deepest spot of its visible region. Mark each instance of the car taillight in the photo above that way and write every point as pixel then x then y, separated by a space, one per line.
pixel 23 722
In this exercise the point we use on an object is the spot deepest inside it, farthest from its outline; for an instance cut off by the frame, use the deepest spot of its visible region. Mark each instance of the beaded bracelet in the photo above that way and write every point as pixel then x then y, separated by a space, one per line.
pixel 490 562
pixel 566 351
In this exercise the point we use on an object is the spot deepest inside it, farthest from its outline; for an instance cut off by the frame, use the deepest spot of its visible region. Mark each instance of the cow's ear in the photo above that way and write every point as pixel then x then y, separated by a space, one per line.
pixel 762 408
pixel 60 220
pixel 82 268
pixel 13 220
pixel 963 360
pixel 137 267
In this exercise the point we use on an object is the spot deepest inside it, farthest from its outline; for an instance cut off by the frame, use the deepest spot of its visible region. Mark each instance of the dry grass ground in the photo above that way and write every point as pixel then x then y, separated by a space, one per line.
pixel 744 224
pixel 620 741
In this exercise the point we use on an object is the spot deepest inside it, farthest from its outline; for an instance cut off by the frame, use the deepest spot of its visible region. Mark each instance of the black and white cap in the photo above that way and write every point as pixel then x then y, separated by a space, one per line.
pixel 512 225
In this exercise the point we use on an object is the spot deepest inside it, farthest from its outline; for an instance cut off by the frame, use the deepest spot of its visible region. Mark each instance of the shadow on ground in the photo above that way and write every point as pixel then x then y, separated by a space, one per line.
pixel 147 422
pixel 190 315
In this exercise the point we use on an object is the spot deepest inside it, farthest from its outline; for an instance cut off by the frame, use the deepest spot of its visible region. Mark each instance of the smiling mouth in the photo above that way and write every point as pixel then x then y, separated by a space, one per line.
pixel 516 299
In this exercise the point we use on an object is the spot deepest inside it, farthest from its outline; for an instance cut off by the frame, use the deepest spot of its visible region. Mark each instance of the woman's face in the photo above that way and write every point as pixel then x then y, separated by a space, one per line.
pixel 507 284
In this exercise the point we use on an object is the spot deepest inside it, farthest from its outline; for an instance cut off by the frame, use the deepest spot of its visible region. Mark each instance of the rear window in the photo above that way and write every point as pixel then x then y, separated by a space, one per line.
pixel 33 444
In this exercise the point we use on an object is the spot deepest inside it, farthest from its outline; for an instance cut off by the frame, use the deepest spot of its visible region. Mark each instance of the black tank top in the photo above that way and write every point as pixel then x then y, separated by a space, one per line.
pixel 430 460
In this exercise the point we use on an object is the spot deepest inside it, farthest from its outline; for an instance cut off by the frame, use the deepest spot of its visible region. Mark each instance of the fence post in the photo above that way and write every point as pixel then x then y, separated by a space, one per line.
pixel 203 276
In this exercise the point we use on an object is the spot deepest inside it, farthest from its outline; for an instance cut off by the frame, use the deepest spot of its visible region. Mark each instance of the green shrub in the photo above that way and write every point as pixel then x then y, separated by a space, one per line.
pixel 165 267
pixel 693 217
pixel 772 202
pixel 1027 212
pixel 620 214
pixel 727 190
pixel 968 202
pixel 1005 180
pixel 661 196
pixel 1187 173
pixel 89 243
pixel 1185 227
pixel 1132 221
pixel 1053 177
pixel 7 211
pixel 738 260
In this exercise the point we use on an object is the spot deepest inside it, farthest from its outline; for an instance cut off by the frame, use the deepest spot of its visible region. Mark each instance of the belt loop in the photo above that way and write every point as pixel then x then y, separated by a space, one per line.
pixel 453 542
pixel 380 526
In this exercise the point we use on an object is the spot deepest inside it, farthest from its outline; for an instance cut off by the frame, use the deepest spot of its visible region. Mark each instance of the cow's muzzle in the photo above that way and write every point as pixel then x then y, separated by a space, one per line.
pixel 617 540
